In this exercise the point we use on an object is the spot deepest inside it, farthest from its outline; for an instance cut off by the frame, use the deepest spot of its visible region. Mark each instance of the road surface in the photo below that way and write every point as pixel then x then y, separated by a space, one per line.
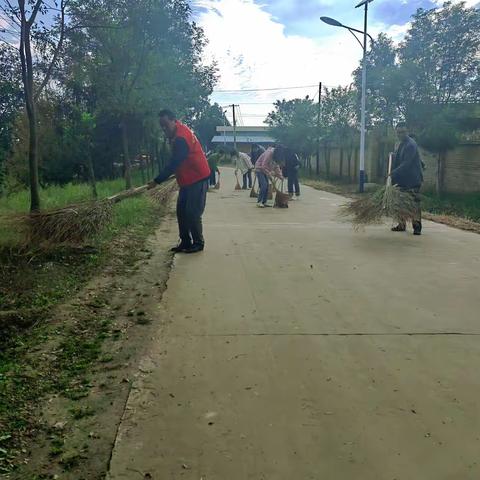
pixel 294 348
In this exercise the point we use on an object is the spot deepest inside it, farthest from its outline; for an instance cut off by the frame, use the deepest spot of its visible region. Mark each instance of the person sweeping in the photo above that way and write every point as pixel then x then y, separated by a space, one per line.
pixel 190 167
pixel 213 159
pixel 267 167
pixel 407 174
pixel 292 166
pixel 244 164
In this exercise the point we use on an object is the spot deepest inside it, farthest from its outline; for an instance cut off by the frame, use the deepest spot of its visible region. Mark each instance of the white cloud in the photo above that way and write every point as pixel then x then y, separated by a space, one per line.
pixel 253 51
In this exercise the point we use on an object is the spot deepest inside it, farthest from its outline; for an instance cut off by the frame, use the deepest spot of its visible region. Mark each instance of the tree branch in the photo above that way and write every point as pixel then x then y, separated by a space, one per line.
pixel 56 52
pixel 35 11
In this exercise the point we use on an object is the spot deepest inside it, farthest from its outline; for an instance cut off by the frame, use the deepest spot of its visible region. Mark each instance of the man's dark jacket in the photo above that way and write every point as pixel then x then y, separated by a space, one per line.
pixel 407 165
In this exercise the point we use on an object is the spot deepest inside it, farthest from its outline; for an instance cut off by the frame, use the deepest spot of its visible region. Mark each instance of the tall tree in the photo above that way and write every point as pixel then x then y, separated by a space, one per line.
pixel 339 123
pixel 440 55
pixel 27 16
pixel 206 123
pixel 11 99
pixel 293 123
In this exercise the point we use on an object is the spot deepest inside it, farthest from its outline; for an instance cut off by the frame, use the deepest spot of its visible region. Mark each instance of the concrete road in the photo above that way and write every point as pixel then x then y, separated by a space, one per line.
pixel 294 348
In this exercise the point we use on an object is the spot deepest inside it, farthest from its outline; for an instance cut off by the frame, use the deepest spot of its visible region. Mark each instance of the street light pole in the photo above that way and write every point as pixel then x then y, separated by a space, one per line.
pixel 363 128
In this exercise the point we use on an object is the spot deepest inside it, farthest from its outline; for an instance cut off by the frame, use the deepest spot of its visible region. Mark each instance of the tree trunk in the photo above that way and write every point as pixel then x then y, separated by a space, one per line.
pixel 440 173
pixel 341 162
pixel 27 77
pixel 327 161
pixel 126 156
pixel 142 168
pixel 91 175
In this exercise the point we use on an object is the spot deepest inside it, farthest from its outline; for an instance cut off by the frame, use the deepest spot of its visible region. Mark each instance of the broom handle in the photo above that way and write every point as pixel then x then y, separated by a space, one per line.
pixel 390 161
pixel 133 192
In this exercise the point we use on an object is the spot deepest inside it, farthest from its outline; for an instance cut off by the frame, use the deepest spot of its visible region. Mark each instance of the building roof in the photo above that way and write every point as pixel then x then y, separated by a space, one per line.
pixel 243 139
pixel 243 129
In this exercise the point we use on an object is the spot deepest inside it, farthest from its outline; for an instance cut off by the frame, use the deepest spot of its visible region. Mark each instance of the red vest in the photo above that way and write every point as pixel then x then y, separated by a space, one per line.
pixel 195 167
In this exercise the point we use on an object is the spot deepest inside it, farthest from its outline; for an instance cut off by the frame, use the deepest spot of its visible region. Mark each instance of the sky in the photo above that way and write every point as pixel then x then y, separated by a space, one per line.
pixel 267 44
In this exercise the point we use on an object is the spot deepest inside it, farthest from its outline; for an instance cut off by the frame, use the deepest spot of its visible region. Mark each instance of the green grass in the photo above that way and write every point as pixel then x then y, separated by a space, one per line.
pixel 44 280
pixel 461 205
pixel 55 196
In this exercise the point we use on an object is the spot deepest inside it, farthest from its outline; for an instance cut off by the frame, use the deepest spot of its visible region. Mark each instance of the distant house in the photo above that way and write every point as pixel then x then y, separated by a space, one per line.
pixel 246 137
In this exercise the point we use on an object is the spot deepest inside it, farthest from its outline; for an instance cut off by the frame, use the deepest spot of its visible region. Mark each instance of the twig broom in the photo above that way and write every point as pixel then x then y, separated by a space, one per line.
pixel 389 201
pixel 75 223
pixel 281 199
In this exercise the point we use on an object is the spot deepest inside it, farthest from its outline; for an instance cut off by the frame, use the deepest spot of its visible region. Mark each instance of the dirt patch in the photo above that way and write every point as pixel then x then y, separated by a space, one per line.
pixel 88 357
pixel 456 222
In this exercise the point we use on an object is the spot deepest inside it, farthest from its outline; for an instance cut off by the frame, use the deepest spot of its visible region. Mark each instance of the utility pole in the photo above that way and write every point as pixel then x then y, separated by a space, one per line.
pixel 319 114
pixel 234 126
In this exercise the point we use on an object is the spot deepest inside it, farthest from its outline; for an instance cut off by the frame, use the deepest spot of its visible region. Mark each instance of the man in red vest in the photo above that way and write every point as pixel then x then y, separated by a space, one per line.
pixel 190 166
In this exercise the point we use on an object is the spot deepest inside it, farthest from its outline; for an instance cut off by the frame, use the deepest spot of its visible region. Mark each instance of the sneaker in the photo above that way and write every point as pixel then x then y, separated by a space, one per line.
pixel 292 198
pixel 266 205
pixel 194 249
pixel 260 205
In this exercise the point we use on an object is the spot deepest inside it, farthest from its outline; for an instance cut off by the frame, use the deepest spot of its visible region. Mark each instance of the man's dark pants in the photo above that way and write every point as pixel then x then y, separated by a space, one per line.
pixel 417 220
pixel 213 178
pixel 293 183
pixel 190 207
pixel 247 180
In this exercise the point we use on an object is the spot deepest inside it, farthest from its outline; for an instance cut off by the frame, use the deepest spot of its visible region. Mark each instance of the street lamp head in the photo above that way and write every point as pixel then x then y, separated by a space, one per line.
pixel 361 4
pixel 332 21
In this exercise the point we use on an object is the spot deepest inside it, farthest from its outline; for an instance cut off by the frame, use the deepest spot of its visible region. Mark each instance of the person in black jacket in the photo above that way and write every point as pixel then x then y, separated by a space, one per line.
pixel 292 165
pixel 407 174
pixel 257 150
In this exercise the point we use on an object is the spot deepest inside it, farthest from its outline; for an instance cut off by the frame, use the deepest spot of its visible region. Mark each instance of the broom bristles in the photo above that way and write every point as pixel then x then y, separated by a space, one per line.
pixel 75 223
pixel 281 200
pixel 390 202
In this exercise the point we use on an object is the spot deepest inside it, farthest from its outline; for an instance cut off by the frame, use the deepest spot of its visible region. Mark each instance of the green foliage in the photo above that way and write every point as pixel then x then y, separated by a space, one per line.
pixel 462 205
pixel 293 123
pixel 206 123
pixel 120 63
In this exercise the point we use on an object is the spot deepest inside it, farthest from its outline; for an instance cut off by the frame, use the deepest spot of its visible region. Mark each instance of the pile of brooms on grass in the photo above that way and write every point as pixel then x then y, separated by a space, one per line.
pixel 388 202
pixel 76 223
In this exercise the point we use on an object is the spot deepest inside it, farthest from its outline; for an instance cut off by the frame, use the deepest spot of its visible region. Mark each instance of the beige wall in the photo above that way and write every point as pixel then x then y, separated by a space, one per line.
pixel 462 168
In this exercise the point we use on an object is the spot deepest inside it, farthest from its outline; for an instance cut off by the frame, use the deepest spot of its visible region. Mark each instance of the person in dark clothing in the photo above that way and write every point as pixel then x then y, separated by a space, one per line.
pixel 213 160
pixel 190 167
pixel 257 151
pixel 408 175
pixel 292 165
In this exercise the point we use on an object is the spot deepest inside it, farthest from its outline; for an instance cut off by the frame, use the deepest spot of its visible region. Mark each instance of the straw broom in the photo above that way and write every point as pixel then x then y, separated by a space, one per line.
pixel 237 186
pixel 390 201
pixel 75 223
pixel 281 199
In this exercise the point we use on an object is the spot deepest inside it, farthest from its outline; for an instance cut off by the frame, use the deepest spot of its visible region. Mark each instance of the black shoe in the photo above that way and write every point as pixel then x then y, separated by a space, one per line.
pixel 417 228
pixel 194 249
pixel 399 228
pixel 180 248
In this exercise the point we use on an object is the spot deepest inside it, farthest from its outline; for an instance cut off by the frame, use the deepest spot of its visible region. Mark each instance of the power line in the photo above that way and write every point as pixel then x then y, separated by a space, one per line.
pixel 262 89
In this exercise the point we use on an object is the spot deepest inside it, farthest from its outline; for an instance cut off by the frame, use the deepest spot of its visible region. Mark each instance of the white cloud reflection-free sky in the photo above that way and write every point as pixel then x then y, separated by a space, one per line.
pixel 280 43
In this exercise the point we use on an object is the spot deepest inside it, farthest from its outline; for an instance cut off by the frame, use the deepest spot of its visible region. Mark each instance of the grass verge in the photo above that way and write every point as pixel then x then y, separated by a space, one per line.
pixel 30 366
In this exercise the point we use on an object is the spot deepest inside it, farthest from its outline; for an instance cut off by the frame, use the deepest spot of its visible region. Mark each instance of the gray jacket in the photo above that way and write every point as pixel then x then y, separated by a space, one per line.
pixel 407 165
